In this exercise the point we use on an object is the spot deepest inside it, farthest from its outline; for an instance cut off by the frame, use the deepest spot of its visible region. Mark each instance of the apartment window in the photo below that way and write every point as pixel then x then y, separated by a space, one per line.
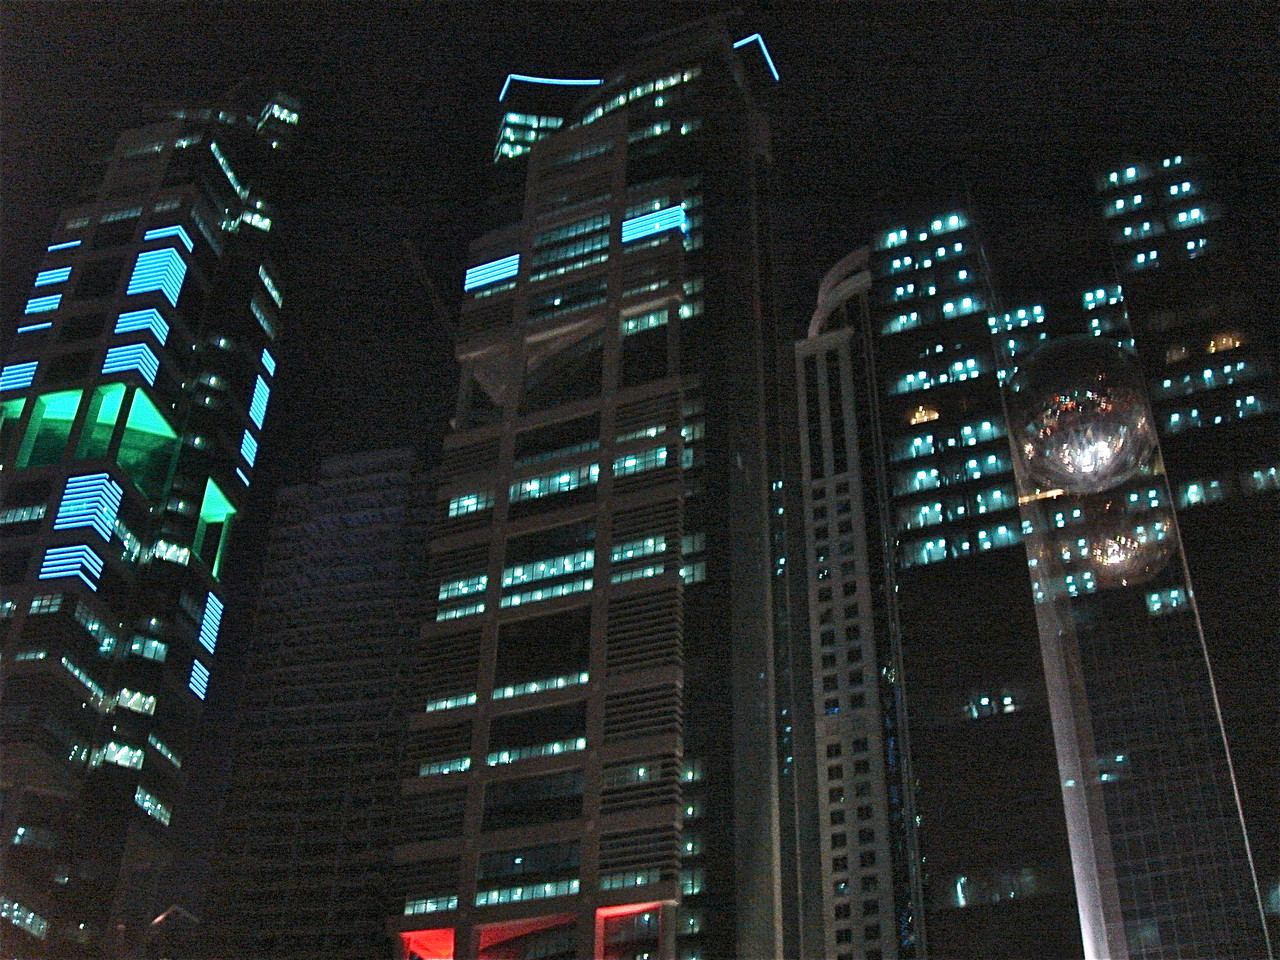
pixel 866 835
pixel 840 864
pixel 871 931
pixel 835 795
pixel 833 750
pixel 835 772
pixel 864 813
pixel 837 817
pixel 839 840
pixel 844 936
pixel 867 858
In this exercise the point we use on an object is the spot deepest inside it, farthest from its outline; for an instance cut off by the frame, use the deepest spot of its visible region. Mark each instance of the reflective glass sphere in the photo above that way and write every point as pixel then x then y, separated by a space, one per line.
pixel 1123 548
pixel 1079 416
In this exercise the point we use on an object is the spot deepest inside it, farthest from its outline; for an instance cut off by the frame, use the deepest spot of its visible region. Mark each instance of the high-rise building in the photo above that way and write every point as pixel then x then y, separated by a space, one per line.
pixel 590 767
pixel 134 391
pixel 315 776
pixel 1061 742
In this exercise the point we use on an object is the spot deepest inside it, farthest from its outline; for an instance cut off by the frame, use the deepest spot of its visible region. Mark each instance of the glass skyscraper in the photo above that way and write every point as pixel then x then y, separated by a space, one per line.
pixel 589 764
pixel 134 391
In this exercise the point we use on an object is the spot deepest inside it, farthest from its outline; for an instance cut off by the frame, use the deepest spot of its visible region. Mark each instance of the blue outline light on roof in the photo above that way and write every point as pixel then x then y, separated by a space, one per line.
pixel 484 274
pixel 763 49
pixel 16 376
pixel 92 500
pixel 162 270
pixel 132 356
pixel 33 327
pixel 175 231
pixel 210 621
pixel 65 245
pixel 258 403
pixel 549 80
pixel 149 319
pixel 650 223
pixel 43 304
pixel 54 275
pixel 71 561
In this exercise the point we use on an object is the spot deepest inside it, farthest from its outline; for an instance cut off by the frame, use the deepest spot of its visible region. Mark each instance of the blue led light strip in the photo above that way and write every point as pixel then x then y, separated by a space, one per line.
pixel 486 273
pixel 33 327
pixel 268 362
pixel 90 501
pixel 199 682
pixel 18 375
pixel 548 80
pixel 43 304
pixel 175 231
pixel 132 356
pixel 162 270
pixel 244 477
pixel 651 223
pixel 57 275
pixel 249 448
pixel 763 49
pixel 143 320
pixel 210 622
pixel 258 404
pixel 71 561
pixel 65 245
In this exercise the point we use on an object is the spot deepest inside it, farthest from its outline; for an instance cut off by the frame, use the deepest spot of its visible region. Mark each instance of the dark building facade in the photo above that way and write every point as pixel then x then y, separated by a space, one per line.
pixel 134 391
pixel 310 809
pixel 590 766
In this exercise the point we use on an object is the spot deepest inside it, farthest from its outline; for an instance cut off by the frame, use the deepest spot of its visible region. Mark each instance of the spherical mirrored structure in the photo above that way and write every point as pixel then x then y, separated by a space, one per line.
pixel 1079 416
pixel 1118 546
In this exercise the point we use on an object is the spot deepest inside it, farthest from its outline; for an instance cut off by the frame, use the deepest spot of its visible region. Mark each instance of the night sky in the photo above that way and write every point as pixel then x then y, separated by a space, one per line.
pixel 882 106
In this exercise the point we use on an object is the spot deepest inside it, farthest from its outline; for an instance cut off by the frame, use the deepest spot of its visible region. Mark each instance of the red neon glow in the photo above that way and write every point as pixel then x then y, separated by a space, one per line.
pixel 494 933
pixel 604 914
pixel 428 944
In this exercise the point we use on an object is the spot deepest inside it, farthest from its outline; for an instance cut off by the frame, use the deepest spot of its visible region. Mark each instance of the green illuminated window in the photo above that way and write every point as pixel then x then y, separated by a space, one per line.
pixel 10 414
pixel 147 446
pixel 216 512
pixel 100 422
pixel 49 428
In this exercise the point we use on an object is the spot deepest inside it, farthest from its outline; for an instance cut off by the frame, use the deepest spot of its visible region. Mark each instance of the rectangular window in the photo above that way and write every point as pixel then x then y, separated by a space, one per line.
pixel 467 503
pixel 495 270
pixel 640 462
pixel 658 221
pixel 545 486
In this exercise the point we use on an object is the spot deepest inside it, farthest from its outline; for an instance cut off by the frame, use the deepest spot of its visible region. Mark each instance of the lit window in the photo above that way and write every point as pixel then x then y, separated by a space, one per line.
pixel 1224 341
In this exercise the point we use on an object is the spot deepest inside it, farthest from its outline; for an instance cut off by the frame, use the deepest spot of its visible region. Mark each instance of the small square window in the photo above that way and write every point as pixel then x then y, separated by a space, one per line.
pixel 837 817
pixel 824 594
pixel 833 749
pixel 842 911
pixel 839 840
pixel 844 936
pixel 842 488
pixel 871 931
pixel 860 745
pixel 844 526
pixel 867 858
pixel 865 812
pixel 839 864
pixel 828 638
pixel 857 701
pixel 836 772
pixel 835 795
pixel 870 908
pixel 832 705
pixel 862 789
pixel 862 766
pixel 855 654
pixel 870 883
pixel 828 660
pixel 866 835
pixel 830 683
pixel 855 677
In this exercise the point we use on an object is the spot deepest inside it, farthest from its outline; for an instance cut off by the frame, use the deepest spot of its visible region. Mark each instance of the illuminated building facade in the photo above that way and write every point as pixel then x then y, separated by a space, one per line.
pixel 314 784
pixel 589 765
pixel 134 389
pixel 1062 739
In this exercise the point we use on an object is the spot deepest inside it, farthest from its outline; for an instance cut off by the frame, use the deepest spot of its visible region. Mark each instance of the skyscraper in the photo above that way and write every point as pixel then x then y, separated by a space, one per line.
pixel 1096 670
pixel 590 769
pixel 311 806
pixel 134 391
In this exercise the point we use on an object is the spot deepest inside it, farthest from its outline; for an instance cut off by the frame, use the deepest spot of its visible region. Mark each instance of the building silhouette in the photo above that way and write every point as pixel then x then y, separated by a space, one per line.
pixel 134 390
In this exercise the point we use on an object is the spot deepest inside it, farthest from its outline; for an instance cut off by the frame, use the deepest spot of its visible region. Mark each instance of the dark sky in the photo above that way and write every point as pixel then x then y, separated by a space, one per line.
pixel 881 105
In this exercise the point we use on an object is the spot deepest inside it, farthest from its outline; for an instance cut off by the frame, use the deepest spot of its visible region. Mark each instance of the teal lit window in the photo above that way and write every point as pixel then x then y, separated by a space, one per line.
pixel 444 767
pixel 430 905
pixel 555 748
pixel 450 703
pixel 546 593
pixel 1161 602
pixel 562 482
pixel 467 503
pixel 536 891
pixel 523 573
pixel 464 586
pixel 491 272
pixel 540 686
pixel 458 612
pixel 645 321
pixel 198 683
pixel 640 462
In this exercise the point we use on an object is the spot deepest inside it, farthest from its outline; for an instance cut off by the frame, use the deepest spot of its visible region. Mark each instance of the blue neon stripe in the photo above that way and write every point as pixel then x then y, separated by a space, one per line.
pixel 18 375
pixel 650 223
pixel 132 356
pixel 174 231
pixel 268 361
pixel 548 80
pixel 258 405
pixel 55 275
pixel 162 270
pixel 249 448
pixel 143 320
pixel 71 561
pixel 90 501
pixel 244 477
pixel 763 49
pixel 43 304
pixel 210 622
pixel 33 327
pixel 65 245
pixel 199 682
pixel 486 273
